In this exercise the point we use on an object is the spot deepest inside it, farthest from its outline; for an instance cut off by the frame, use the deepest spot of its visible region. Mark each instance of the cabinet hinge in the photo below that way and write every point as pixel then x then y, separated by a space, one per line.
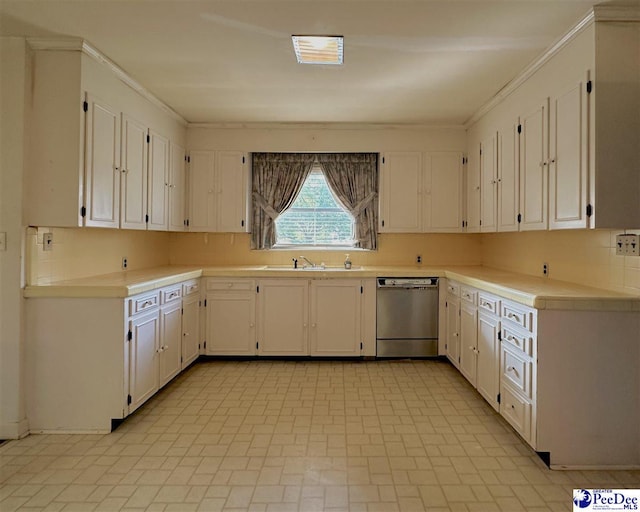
pixel 243 159
pixel 242 223
pixel 382 223
pixel 83 211
pixel 480 222
pixel 205 344
pixel 464 160
pixel 128 399
pixel 148 138
pixel 499 335
pixel 199 347
pixel 257 289
pixel 361 290
pixel 498 398
pixel 480 151
pixel 146 218
pixel 185 158
pixel 189 159
pixel 589 210
pixel 205 303
pixel 257 345
pixel 519 218
pixel 186 222
pixel 382 159
pixel 589 87
pixel 85 106
pixel 519 128
pixel 129 336
pixel 361 345
pixel 182 311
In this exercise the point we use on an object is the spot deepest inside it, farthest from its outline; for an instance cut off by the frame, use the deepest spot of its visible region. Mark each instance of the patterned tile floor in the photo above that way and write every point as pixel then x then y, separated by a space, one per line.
pixel 297 436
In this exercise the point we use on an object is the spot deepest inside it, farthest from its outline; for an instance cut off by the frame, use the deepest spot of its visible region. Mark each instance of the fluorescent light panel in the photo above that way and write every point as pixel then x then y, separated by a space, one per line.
pixel 318 49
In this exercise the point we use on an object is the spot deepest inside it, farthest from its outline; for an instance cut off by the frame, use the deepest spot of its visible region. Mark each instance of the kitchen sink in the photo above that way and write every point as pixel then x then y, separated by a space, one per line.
pixel 317 268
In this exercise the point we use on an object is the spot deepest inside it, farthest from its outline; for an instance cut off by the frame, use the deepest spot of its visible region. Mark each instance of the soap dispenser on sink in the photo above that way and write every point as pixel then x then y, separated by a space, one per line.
pixel 347 263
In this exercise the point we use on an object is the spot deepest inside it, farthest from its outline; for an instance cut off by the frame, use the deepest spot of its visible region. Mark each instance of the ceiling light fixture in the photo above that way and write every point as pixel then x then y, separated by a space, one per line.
pixel 319 49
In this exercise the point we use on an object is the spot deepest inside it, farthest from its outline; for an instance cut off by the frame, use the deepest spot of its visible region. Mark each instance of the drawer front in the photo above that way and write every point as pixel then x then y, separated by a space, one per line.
pixel 517 338
pixel 144 303
pixel 171 294
pixel 518 315
pixel 233 285
pixel 516 370
pixel 469 295
pixel 517 411
pixel 190 287
pixel 453 289
pixel 489 303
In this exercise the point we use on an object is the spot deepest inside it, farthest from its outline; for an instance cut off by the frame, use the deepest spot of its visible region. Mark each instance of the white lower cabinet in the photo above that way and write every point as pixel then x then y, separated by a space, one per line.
pixel 231 311
pixel 452 319
pixel 283 317
pixel 170 351
pixel 468 334
pixel 143 356
pixel 488 378
pixel 190 322
pixel 336 317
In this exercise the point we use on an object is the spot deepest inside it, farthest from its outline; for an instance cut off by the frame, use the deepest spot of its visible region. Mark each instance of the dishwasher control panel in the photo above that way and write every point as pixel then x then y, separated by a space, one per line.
pixel 407 282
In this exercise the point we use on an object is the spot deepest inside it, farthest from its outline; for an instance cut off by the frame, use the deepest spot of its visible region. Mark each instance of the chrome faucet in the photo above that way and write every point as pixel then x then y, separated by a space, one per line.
pixel 311 264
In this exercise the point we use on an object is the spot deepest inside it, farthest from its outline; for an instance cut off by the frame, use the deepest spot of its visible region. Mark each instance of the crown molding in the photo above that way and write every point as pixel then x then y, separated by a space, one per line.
pixel 528 72
pixel 608 12
pixel 321 126
pixel 81 45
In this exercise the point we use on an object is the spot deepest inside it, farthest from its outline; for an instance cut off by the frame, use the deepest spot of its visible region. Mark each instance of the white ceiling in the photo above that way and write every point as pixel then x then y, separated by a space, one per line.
pixel 406 61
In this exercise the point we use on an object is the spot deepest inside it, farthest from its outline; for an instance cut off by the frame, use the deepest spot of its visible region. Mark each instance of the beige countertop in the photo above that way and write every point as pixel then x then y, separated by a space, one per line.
pixel 538 292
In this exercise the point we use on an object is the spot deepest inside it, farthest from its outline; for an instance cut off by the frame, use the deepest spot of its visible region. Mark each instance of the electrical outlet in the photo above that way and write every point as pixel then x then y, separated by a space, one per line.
pixel 628 245
pixel 125 263
pixel 418 258
pixel 47 242
pixel 545 269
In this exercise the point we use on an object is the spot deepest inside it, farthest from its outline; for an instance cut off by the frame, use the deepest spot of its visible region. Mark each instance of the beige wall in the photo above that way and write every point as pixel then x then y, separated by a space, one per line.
pixel 580 256
pixel 82 252
pixel 394 249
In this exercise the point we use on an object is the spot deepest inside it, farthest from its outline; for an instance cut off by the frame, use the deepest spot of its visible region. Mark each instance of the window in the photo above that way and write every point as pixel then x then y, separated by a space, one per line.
pixel 315 218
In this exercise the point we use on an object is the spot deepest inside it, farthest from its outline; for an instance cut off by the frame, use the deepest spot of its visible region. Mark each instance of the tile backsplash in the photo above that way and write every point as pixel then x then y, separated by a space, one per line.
pixel 579 256
pixel 82 252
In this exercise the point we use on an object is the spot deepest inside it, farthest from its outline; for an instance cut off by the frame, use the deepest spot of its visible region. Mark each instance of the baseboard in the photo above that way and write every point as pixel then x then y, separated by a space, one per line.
pixel 16 430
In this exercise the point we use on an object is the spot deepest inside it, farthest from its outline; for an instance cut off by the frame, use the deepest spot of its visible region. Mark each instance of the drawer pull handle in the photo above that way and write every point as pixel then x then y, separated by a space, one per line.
pixel 147 303
pixel 515 317
pixel 512 369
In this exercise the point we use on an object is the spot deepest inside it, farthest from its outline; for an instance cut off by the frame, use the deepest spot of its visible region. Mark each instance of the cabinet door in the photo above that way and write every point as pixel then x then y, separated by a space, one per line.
pixel 468 341
pixel 102 165
pixel 472 185
pixel 201 196
pixel 177 189
pixel 453 330
pixel 489 183
pixel 568 159
pixel 336 317
pixel 143 357
pixel 190 329
pixel 170 341
pixel 133 198
pixel 444 171
pixel 400 197
pixel 508 182
pixel 283 317
pixel 533 169
pixel 231 188
pixel 488 376
pixel 231 323
pixel 158 182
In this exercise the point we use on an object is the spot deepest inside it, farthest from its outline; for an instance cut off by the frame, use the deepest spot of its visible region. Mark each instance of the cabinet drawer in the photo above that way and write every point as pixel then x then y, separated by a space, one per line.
pixel 517 411
pixel 489 303
pixel 230 285
pixel 516 370
pixel 468 294
pixel 522 340
pixel 518 315
pixel 144 303
pixel 453 289
pixel 190 287
pixel 171 294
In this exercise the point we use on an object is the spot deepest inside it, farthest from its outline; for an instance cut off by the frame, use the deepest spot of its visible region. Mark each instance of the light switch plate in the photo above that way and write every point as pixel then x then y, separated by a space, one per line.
pixel 628 245
pixel 3 241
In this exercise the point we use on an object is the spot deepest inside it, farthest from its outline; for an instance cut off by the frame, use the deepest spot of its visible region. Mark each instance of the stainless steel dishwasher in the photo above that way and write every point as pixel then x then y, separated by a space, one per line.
pixel 407 317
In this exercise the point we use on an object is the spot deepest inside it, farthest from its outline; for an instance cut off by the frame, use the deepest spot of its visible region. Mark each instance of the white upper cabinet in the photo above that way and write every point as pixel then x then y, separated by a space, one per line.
pixel 508 177
pixel 88 154
pixel 534 162
pixel 177 188
pixel 158 182
pixel 134 174
pixel 218 188
pixel 443 193
pixel 472 188
pixel 102 164
pixel 421 192
pixel 400 198
pixel 489 183
pixel 568 158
